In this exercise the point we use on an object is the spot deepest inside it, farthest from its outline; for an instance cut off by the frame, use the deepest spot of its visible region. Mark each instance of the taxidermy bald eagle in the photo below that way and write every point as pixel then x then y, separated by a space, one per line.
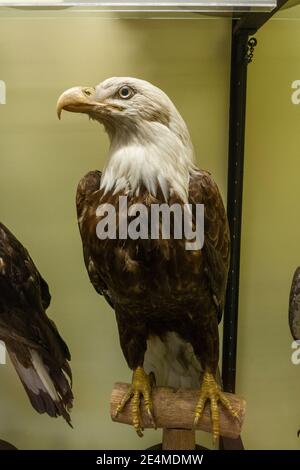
pixel 168 300
pixel 37 351
pixel 294 309
pixel 294 306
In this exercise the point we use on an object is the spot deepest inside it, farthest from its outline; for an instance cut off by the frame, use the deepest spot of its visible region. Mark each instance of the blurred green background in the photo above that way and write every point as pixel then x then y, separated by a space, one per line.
pixel 42 160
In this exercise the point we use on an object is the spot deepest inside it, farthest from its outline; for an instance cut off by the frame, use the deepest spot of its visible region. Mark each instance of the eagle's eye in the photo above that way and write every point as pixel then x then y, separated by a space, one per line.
pixel 126 92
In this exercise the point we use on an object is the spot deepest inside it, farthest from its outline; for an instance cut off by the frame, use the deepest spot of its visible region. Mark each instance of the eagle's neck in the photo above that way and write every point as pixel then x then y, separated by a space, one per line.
pixel 151 157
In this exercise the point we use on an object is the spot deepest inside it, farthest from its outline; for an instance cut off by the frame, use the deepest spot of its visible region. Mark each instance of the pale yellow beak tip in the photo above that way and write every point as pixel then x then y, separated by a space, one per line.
pixel 59 108
pixel 74 100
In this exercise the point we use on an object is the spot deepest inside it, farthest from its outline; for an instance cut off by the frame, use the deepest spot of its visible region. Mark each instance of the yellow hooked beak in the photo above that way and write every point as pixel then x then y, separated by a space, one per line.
pixel 77 100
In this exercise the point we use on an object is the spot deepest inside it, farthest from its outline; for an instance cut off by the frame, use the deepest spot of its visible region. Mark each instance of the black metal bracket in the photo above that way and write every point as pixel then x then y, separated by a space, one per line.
pixel 242 49
pixel 237 116
pixel 252 22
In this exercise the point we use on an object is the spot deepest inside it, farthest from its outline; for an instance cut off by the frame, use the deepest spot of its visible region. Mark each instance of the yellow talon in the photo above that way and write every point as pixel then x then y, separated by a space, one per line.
pixel 211 391
pixel 140 388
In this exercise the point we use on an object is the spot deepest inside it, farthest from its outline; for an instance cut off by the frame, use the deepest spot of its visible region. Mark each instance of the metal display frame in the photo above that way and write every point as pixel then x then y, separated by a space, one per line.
pixel 242 49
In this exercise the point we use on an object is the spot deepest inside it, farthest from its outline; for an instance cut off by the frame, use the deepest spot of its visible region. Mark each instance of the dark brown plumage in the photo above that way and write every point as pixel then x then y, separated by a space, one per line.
pixel 294 305
pixel 157 286
pixel 38 352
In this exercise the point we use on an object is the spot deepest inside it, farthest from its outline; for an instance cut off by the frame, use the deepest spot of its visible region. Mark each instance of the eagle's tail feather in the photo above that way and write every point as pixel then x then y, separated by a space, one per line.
pixel 47 387
pixel 174 363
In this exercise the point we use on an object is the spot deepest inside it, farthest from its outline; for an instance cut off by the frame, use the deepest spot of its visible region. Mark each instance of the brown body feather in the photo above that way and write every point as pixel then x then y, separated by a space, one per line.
pixel 36 349
pixel 157 286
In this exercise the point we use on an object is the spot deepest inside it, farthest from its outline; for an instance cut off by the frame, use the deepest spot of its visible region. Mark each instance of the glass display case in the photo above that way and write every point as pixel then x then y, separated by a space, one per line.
pixel 185 49
pixel 217 6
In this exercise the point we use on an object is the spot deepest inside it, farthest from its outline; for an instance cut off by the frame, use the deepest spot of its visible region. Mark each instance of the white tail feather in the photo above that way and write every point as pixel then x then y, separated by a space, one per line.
pixel 43 374
pixel 173 362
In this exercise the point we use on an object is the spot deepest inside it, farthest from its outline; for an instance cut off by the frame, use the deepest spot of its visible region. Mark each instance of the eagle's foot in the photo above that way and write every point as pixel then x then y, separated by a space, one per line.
pixel 211 391
pixel 140 388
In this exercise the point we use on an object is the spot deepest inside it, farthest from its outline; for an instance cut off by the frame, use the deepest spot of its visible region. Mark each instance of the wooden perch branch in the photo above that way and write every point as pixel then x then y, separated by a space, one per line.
pixel 174 409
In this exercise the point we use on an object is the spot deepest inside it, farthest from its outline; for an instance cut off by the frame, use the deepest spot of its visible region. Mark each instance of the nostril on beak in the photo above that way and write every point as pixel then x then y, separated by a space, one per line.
pixel 88 91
